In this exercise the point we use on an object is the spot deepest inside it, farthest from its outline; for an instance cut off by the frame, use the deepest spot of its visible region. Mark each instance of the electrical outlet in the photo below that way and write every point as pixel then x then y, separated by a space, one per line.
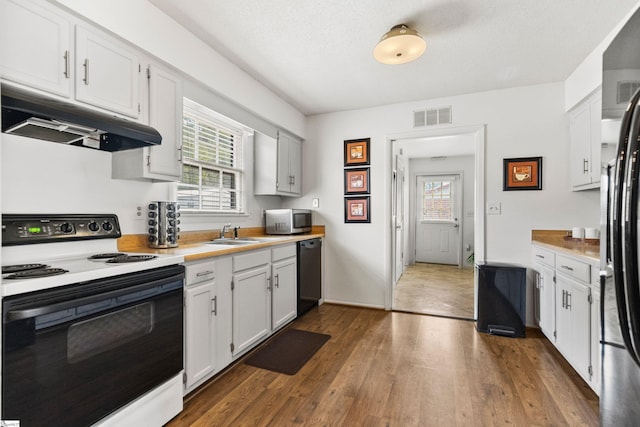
pixel 139 212
pixel 315 203
pixel 494 208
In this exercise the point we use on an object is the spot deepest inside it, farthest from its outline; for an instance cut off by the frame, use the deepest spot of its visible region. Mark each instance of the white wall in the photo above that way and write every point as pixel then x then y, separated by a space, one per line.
pixel 454 164
pixel 520 122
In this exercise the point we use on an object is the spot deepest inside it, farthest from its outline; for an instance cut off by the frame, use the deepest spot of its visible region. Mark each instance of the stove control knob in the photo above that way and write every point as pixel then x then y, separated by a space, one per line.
pixel 93 226
pixel 65 227
pixel 107 226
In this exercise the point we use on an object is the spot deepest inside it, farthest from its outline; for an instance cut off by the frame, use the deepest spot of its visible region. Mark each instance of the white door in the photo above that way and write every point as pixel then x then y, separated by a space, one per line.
pixel 398 210
pixel 437 218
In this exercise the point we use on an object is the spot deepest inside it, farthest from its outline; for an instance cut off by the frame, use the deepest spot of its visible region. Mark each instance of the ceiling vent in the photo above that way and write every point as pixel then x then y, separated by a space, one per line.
pixel 432 117
pixel 625 91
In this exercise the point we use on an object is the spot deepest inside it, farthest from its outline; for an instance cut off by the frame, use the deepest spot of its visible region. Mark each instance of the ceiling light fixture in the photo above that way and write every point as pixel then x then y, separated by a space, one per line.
pixel 399 45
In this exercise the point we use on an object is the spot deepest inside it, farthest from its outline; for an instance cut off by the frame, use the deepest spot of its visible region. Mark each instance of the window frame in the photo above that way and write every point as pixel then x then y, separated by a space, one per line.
pixel 202 113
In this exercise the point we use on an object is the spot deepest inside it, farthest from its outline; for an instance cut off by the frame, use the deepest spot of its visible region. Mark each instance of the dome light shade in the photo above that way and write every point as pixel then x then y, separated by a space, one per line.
pixel 399 46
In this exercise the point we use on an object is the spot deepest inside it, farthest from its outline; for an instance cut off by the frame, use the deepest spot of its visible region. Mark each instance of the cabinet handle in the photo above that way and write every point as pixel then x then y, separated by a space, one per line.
pixel 539 256
pixel 214 310
pixel 204 273
pixel 564 299
pixel 276 281
pixel 585 165
pixel 66 64
pixel 269 284
pixel 180 154
pixel 566 267
pixel 568 301
pixel 86 71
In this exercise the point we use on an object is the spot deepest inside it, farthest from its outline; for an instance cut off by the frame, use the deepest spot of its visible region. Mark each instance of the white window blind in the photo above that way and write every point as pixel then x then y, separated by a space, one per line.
pixel 437 203
pixel 212 174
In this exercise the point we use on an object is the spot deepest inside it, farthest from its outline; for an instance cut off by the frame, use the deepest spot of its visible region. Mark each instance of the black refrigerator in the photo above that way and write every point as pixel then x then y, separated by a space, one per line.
pixel 619 273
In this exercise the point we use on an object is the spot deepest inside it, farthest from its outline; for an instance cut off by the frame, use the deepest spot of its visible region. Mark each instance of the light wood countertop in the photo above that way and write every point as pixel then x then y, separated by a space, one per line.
pixel 557 240
pixel 195 245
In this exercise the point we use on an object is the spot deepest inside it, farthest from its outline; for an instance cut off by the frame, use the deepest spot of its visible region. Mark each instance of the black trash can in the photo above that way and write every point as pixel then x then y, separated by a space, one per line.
pixel 502 299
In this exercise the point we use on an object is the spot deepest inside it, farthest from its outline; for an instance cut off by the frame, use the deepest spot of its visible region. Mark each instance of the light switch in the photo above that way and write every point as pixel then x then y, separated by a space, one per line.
pixel 494 208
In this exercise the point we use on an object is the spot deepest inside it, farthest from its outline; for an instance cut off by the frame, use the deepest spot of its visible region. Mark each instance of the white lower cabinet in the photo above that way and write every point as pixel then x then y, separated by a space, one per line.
pixel 569 315
pixel 234 302
pixel 250 290
pixel 283 299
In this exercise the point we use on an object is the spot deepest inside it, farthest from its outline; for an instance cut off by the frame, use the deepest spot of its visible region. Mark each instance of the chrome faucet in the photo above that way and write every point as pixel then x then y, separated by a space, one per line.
pixel 225 228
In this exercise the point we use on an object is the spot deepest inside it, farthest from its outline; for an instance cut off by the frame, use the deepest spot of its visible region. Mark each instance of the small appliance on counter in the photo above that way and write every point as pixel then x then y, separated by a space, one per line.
pixel 163 224
pixel 287 221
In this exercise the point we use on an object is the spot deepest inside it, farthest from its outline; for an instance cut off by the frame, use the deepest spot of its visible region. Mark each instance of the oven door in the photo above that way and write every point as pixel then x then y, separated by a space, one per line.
pixel 75 354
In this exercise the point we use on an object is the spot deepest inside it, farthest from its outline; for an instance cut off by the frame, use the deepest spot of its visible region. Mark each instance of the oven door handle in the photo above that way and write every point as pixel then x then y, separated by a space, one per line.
pixel 153 289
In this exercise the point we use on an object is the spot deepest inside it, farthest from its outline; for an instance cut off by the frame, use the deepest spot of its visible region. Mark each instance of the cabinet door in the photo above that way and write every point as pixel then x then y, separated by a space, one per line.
pixel 283 183
pixel 295 166
pixel 165 114
pixel 107 72
pixel 595 123
pixel 201 312
pixel 595 340
pixel 580 132
pixel 564 325
pixel 547 300
pixel 284 305
pixel 251 308
pixel 579 306
pixel 35 46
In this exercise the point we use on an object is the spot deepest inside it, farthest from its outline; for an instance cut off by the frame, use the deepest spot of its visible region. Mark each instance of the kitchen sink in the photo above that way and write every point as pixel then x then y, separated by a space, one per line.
pixel 233 242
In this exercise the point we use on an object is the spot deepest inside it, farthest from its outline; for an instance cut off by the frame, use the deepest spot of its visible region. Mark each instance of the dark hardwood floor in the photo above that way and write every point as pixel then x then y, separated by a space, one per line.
pixel 399 369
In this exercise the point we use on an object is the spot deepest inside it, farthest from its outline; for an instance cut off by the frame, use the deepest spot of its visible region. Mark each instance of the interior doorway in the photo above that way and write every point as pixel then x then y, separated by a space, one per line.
pixel 419 152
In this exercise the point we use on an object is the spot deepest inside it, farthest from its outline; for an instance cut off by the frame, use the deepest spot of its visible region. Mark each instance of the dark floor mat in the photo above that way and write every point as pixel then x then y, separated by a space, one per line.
pixel 288 352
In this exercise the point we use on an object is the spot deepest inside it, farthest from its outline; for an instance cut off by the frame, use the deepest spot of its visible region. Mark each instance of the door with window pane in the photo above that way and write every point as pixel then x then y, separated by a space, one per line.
pixel 438 201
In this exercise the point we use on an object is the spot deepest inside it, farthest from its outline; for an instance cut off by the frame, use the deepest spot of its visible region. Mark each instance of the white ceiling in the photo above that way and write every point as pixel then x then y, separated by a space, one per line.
pixel 317 54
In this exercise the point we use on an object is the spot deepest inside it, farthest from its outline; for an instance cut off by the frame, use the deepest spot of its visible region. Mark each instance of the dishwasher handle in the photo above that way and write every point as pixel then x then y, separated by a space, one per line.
pixel 310 244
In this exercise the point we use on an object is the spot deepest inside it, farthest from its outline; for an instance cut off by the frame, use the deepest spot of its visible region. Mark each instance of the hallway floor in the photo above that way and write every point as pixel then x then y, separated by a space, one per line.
pixel 443 290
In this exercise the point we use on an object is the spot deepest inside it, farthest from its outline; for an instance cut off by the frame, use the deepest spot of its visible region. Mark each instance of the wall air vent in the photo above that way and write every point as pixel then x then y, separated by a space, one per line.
pixel 432 117
pixel 625 90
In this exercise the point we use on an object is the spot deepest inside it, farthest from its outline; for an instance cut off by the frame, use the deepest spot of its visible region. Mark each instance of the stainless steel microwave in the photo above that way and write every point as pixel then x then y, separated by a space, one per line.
pixel 287 221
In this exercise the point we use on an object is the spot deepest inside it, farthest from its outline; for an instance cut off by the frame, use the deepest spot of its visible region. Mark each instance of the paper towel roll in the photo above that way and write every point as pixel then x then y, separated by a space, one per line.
pixel 577 233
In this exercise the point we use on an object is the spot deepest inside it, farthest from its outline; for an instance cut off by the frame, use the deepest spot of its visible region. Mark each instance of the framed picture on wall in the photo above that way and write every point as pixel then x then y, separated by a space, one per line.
pixel 357 209
pixel 356 181
pixel 356 152
pixel 523 173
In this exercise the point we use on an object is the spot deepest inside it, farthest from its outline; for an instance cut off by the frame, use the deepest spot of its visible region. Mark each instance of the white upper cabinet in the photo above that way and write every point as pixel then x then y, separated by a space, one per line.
pixel 162 162
pixel 35 46
pixel 107 72
pixel 278 165
pixel 585 135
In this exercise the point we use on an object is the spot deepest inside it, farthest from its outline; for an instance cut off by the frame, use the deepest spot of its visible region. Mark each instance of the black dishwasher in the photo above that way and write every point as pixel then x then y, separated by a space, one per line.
pixel 309 274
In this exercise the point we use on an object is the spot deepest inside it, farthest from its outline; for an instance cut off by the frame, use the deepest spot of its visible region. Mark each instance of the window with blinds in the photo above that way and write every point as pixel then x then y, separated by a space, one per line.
pixel 212 174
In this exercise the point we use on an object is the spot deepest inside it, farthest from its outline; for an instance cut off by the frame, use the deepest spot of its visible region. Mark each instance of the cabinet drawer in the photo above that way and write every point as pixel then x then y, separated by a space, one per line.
pixel 197 272
pixel 282 252
pixel 544 256
pixel 576 269
pixel 251 259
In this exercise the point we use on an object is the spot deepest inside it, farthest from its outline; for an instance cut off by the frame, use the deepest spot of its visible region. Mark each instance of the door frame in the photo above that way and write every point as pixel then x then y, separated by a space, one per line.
pixel 413 214
pixel 479 234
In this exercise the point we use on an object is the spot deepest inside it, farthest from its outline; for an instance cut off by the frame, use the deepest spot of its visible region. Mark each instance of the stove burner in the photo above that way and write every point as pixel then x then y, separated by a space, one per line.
pixel 131 258
pixel 38 272
pixel 106 255
pixel 21 267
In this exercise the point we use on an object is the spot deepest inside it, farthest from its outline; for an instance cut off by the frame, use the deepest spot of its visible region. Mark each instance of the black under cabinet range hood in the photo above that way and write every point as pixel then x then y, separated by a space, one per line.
pixel 37 116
